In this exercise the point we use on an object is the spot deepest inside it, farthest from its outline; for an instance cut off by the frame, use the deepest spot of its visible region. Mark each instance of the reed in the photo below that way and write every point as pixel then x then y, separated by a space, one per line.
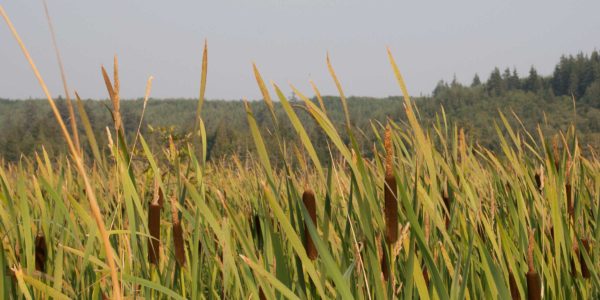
pixel 389 194
pixel 362 254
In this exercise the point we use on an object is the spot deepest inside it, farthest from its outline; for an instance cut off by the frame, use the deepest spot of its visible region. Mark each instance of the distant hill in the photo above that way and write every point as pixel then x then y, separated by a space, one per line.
pixel 27 125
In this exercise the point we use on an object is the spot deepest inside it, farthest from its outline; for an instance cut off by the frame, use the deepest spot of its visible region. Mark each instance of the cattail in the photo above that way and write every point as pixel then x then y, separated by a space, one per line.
pixel 585 272
pixel 261 294
pixel 154 225
pixel 570 202
pixel 575 253
pixel 177 234
pixel 514 291
pixel 41 252
pixel 447 204
pixel 154 228
pixel 258 231
pixel 534 283
pixel 308 197
pixel 389 194
pixel 425 274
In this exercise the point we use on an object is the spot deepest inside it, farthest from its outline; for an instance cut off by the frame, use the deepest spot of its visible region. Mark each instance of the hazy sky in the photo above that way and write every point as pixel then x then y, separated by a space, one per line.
pixel 288 40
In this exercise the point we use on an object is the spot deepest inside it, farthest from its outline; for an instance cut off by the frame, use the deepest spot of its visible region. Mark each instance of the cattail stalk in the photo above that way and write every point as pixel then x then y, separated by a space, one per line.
pixel 308 197
pixel 389 193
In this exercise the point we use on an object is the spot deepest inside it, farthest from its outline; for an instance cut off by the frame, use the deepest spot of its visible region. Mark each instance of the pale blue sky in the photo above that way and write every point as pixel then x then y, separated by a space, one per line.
pixel 288 40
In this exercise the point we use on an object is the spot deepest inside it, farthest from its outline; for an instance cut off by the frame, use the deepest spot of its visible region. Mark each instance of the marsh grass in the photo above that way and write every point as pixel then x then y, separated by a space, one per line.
pixel 431 215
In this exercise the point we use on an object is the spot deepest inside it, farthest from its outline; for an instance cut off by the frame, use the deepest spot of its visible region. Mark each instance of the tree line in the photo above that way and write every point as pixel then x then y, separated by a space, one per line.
pixel 545 101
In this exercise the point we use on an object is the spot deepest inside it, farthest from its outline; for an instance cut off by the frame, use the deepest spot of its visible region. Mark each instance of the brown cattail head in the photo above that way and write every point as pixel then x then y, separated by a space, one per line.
pixel 308 197
pixel 154 228
pixel 570 202
pixel 261 294
pixel 425 274
pixel 390 210
pixel 575 252
pixel 585 271
pixel 178 243
pixel 534 286
pixel 258 231
pixel 514 290
pixel 389 151
pixel 41 252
